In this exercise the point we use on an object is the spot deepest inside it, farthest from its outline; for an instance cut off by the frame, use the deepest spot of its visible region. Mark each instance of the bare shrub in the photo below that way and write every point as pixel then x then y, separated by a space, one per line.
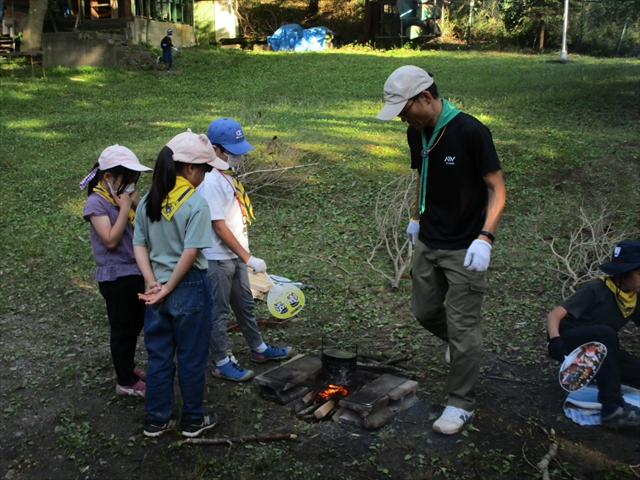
pixel 589 245
pixel 271 166
pixel 394 207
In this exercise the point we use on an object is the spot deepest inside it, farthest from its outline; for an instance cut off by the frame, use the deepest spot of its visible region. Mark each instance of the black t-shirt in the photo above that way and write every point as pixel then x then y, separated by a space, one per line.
pixel 595 304
pixel 166 43
pixel 456 202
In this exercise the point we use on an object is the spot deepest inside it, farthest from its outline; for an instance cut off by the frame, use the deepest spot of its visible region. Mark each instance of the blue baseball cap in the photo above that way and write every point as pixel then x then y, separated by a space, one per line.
pixel 228 133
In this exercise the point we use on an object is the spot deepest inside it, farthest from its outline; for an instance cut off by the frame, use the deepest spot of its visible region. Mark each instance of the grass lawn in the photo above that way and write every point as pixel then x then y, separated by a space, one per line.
pixel 567 136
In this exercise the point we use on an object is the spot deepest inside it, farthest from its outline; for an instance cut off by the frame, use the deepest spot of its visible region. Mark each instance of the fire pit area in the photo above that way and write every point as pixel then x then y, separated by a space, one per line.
pixel 333 387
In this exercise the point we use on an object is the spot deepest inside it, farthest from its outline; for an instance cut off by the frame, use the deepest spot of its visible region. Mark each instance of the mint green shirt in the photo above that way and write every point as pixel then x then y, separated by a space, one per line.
pixel 190 227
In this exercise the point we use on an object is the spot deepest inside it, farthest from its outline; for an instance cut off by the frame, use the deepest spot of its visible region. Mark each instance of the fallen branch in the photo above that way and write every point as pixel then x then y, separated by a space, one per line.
pixel 509 379
pixel 543 465
pixel 245 438
pixel 398 359
pixel 388 369
pixel 375 358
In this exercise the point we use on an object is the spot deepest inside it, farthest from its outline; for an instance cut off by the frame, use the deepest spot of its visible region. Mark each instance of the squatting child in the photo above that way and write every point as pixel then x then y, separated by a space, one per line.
pixel 229 257
pixel 596 313
pixel 110 211
pixel 172 228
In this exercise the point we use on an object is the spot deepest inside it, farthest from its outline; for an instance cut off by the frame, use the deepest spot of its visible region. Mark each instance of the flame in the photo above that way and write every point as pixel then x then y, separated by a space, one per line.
pixel 333 390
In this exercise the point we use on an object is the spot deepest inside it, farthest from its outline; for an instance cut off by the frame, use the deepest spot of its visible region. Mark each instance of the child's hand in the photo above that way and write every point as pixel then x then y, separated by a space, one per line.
pixel 124 201
pixel 135 199
pixel 155 293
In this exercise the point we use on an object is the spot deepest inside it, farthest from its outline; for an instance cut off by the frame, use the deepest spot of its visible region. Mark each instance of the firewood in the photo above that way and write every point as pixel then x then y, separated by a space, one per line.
pixel 324 409
pixel 244 438
pixel 309 409
pixel 309 396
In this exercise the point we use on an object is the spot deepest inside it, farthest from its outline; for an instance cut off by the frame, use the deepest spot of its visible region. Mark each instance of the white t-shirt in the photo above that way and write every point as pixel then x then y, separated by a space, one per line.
pixel 217 188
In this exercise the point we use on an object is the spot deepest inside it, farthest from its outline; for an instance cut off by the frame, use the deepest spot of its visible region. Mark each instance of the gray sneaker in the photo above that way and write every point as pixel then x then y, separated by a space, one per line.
pixel 624 416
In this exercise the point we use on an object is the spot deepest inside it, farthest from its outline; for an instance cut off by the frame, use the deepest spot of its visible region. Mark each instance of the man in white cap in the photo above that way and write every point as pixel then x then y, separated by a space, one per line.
pixel 460 199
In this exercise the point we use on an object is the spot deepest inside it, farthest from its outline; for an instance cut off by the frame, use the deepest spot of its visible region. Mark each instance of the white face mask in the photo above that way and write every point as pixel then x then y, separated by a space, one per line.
pixel 129 189
pixel 234 161
pixel 114 191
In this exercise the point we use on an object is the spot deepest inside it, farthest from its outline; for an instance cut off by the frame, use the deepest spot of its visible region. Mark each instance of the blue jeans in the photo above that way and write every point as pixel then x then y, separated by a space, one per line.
pixel 167 57
pixel 230 286
pixel 180 326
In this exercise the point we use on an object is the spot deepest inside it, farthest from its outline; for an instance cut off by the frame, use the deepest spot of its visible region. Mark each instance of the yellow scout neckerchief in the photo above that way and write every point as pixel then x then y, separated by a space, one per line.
pixel 182 190
pixel 626 300
pixel 101 191
pixel 241 196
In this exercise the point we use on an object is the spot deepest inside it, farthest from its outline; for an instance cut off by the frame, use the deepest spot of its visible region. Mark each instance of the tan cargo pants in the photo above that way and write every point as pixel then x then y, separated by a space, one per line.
pixel 446 299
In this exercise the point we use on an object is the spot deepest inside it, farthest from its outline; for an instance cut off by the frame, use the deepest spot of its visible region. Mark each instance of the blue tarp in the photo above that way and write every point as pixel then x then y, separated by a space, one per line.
pixel 294 37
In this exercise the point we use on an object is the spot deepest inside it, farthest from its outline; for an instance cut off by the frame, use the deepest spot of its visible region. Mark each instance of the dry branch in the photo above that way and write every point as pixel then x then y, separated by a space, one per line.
pixel 388 369
pixel 588 246
pixel 269 168
pixel 245 438
pixel 394 208
pixel 543 465
pixel 398 359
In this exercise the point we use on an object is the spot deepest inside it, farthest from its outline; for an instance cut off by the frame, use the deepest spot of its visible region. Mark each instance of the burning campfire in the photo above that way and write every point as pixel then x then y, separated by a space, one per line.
pixel 332 391
pixel 331 387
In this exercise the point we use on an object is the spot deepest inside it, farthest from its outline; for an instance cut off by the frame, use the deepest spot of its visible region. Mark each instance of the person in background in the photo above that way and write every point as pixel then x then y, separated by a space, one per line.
pixel 110 211
pixel 167 47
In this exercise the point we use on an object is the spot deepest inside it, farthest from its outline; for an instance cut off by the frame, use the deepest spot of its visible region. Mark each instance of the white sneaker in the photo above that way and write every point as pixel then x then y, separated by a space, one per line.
pixel 452 420
pixel 447 355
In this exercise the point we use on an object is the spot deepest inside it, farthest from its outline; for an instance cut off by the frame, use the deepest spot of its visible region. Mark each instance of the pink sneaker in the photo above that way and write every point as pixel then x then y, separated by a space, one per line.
pixel 141 373
pixel 138 389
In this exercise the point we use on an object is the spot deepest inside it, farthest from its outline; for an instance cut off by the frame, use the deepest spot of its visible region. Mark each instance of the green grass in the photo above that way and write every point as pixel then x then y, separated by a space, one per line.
pixel 567 136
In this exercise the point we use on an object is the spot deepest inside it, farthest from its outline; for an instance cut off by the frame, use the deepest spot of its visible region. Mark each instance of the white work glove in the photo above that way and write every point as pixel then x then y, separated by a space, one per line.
pixel 413 229
pixel 175 48
pixel 478 256
pixel 257 264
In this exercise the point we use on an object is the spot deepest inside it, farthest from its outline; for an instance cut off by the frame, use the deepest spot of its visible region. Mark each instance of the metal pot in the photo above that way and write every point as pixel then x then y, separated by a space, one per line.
pixel 339 367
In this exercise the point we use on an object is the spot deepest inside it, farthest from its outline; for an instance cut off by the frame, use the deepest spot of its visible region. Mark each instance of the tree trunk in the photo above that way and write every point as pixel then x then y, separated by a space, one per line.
pixel 541 36
pixel 32 33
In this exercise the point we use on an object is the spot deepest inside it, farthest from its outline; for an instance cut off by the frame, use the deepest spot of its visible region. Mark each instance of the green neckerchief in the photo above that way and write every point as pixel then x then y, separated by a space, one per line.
pixel 449 111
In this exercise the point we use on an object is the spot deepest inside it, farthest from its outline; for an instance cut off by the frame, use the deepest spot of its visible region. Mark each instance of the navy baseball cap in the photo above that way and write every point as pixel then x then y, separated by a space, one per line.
pixel 169 32
pixel 625 257
pixel 228 133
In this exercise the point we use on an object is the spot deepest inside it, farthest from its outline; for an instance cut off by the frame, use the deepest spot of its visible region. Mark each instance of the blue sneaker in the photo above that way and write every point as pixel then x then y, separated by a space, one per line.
pixel 271 353
pixel 232 371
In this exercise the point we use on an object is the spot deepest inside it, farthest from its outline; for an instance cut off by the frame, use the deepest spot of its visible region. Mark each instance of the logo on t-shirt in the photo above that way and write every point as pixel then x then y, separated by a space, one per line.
pixel 449 160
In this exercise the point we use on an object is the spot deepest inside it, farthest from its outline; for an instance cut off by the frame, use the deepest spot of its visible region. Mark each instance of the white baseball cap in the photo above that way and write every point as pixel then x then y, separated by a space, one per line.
pixel 189 147
pixel 404 83
pixel 119 156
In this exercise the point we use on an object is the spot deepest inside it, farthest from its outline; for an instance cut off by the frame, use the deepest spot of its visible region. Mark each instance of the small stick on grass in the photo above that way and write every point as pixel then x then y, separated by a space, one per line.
pixel 244 438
